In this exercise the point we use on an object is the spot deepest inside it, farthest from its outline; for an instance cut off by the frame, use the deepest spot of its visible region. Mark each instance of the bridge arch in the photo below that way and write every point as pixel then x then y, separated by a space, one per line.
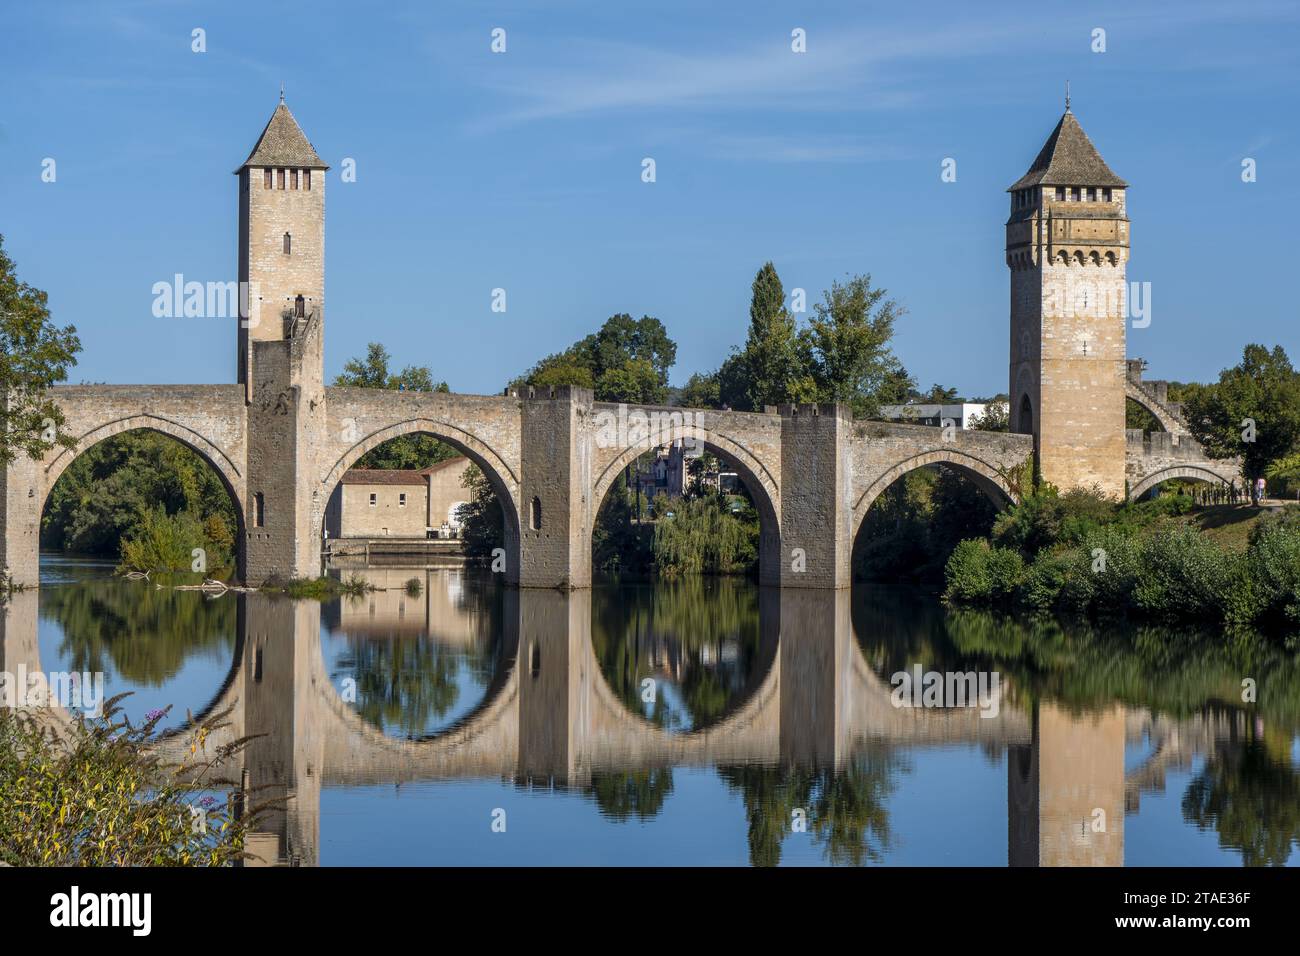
pixel 218 460
pixel 759 481
pixel 1139 396
pixel 232 479
pixel 987 478
pixel 1188 471
pixel 755 474
pixel 504 481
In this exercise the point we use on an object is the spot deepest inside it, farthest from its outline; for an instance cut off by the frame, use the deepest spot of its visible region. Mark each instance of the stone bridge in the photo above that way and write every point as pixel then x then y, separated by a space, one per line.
pixel 549 717
pixel 281 439
pixel 551 456
pixel 1153 457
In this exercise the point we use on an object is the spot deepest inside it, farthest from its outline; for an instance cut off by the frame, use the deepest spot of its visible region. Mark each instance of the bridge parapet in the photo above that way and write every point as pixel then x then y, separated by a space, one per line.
pixel 885 451
pixel 1154 397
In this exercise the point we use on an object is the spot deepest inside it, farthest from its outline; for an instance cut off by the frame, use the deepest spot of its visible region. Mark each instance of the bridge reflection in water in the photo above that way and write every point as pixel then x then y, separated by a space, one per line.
pixel 550 714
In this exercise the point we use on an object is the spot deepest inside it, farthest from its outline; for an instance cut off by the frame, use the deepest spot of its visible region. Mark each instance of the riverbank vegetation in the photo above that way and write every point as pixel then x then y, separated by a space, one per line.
pixel 100 795
pixel 147 491
pixel 1080 553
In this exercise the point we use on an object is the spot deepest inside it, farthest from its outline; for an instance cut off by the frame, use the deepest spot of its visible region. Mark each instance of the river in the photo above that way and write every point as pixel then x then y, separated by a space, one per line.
pixel 707 721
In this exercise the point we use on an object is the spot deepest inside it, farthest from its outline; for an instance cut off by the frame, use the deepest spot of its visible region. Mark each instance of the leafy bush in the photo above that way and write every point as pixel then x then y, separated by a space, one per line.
pixel 1046 517
pixel 1044 579
pixel 1104 572
pixel 1273 567
pixel 1137 563
pixel 98 795
pixel 166 542
pixel 1185 575
pixel 977 572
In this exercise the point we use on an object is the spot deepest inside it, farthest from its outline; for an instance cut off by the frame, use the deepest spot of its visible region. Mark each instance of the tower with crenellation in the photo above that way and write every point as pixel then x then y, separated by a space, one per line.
pixel 281 345
pixel 281 236
pixel 1067 249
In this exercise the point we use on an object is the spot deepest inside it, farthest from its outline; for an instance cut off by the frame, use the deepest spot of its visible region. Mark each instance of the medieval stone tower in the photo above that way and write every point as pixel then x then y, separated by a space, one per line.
pixel 281 344
pixel 1067 248
pixel 281 234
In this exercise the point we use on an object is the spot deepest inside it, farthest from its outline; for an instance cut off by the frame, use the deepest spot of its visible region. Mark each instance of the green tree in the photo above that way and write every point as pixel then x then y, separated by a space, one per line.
pixel 938 395
pixel 407 452
pixel 34 354
pixel 848 341
pixel 481 528
pixel 775 365
pixel 1263 388
pixel 372 371
pixel 563 368
pixel 996 417
pixel 627 360
pixel 733 382
pixel 702 390
pixel 101 498
pixel 634 381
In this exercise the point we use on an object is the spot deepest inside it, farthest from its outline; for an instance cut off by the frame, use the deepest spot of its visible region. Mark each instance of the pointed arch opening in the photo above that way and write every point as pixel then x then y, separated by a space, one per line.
pixel 150 497
pixel 458 493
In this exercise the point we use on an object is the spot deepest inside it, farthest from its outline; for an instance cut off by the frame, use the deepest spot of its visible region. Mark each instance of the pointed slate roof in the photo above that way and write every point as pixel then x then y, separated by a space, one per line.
pixel 283 143
pixel 1068 158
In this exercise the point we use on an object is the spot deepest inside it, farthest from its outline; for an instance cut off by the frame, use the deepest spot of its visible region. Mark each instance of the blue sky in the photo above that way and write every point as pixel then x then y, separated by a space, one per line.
pixel 522 170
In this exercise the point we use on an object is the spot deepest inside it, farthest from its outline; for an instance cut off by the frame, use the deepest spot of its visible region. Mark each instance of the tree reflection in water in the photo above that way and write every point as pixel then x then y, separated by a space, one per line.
pixel 135 630
pixel 1249 794
pixel 845 809
pixel 1248 790
pixel 631 793
pixel 696 638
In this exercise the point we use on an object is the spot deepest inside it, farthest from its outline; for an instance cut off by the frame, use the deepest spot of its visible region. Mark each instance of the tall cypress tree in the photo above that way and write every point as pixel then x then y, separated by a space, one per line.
pixel 772 361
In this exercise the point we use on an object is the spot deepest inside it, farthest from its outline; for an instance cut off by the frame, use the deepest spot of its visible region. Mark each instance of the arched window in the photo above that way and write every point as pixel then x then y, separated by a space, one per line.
pixel 300 307
pixel 535 518
pixel 1026 424
pixel 288 244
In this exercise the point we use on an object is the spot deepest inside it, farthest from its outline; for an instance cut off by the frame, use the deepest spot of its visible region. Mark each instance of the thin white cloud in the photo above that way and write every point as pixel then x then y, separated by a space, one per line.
pixel 845 70
pixel 853 68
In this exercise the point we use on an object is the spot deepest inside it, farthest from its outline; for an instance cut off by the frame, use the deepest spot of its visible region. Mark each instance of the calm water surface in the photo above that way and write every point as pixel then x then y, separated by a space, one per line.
pixel 697 722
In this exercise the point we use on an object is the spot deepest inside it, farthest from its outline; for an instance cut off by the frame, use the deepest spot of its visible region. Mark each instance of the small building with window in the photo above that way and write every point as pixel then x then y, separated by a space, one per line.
pixel 398 503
